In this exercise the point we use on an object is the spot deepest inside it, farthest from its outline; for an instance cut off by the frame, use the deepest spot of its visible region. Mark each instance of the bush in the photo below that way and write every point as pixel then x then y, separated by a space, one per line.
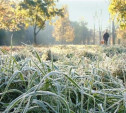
pixel 90 55
pixel 111 51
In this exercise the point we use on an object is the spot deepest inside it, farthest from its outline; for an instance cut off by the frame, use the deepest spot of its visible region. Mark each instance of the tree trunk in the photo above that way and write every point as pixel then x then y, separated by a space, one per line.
pixel 100 37
pixel 35 39
pixel 94 36
pixel 84 41
pixel 113 33
pixel 119 41
pixel 35 36
pixel 83 38
pixel 100 27
pixel 88 40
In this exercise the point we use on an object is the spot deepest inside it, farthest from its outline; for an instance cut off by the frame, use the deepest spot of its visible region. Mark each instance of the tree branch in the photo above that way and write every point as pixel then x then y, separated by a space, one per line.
pixel 38 30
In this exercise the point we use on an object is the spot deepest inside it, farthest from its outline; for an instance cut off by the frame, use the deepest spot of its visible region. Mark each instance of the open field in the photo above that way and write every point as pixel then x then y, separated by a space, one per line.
pixel 63 79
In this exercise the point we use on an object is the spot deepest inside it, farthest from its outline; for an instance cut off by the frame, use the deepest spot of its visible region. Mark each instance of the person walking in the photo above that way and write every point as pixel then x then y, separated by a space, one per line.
pixel 106 37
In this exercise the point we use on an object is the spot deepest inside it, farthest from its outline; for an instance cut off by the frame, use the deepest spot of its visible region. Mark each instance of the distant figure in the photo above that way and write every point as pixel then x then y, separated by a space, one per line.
pixel 105 37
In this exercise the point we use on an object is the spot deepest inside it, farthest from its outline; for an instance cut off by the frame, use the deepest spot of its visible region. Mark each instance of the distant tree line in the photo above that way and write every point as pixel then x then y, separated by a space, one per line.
pixel 62 31
pixel 28 21
pixel 26 36
pixel 82 35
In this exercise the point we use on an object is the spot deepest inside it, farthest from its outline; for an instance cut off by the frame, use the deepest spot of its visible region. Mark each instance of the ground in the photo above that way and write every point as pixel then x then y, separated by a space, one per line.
pixel 63 79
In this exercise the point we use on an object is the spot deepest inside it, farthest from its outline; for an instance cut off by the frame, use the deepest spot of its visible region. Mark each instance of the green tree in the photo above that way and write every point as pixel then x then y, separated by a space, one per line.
pixel 77 32
pixel 63 31
pixel 82 33
pixel 117 9
pixel 38 12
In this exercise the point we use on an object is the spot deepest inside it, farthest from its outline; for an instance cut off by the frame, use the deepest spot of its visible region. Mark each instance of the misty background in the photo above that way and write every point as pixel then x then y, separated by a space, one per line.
pixel 91 12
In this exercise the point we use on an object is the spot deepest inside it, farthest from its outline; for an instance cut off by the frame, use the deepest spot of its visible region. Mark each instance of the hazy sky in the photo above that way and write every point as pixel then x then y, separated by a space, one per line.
pixel 86 9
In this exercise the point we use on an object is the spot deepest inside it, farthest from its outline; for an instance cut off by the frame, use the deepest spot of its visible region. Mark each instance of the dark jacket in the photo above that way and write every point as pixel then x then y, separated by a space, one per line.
pixel 106 36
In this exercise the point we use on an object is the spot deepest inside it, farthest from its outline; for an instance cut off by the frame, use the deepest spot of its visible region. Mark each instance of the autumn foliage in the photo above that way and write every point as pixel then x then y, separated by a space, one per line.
pixel 10 19
pixel 15 15
pixel 117 9
pixel 121 34
pixel 63 31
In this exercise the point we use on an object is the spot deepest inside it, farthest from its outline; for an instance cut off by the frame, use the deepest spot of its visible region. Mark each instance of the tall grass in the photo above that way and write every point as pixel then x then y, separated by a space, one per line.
pixel 75 84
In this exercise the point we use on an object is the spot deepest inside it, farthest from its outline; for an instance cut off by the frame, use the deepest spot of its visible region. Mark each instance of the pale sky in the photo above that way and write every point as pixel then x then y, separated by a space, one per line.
pixel 87 9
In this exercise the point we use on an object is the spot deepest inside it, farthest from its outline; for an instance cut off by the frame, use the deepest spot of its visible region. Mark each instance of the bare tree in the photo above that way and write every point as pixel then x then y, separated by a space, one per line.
pixel 100 25
pixel 94 17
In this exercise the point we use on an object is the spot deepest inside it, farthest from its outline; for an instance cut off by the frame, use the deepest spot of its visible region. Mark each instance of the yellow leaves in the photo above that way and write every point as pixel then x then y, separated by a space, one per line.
pixel 63 30
pixel 121 34
pixel 34 12
pixel 26 25
pixel 118 11
pixel 50 9
pixel 10 18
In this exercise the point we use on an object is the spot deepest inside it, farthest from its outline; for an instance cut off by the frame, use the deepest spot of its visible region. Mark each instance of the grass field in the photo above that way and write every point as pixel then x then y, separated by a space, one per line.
pixel 63 79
